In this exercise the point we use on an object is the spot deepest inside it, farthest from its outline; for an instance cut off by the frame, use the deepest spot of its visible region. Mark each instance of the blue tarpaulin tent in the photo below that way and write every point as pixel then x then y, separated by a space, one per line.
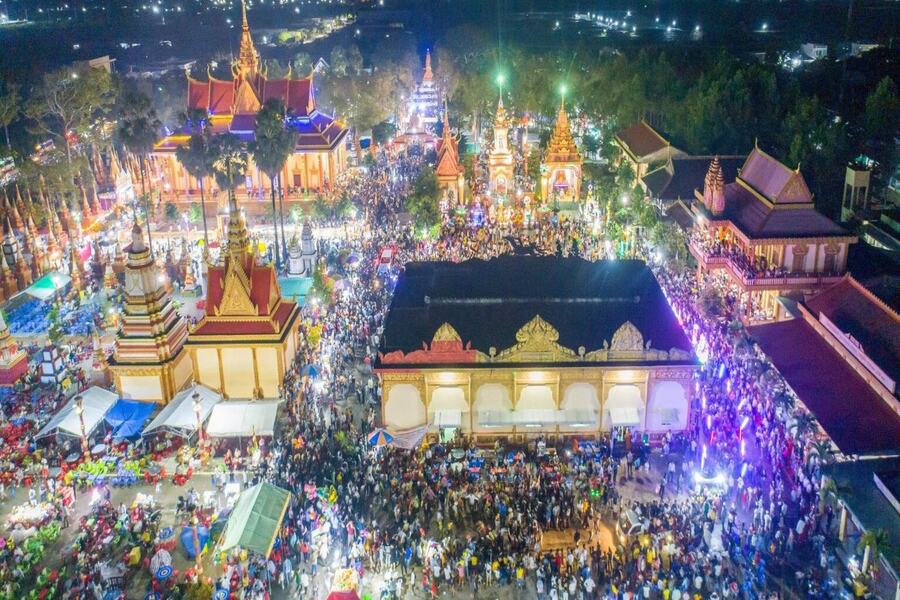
pixel 128 417
pixel 190 544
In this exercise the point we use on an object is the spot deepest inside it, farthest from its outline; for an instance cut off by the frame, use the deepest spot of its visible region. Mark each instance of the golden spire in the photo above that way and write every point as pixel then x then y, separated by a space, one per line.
pixel 562 146
pixel 238 237
pixel 500 116
pixel 248 60
pixel 428 76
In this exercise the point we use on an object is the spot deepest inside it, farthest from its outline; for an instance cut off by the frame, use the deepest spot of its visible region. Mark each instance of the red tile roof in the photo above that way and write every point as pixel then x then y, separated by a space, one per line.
pixel 858 312
pixel 282 316
pixel 852 414
pixel 642 140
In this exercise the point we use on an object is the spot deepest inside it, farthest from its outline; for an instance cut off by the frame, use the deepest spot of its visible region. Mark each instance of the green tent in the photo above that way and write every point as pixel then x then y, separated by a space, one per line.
pixel 256 518
pixel 47 286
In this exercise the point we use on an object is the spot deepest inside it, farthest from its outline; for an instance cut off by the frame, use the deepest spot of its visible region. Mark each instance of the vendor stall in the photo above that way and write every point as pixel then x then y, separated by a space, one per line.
pixel 127 418
pixel 179 416
pixel 256 519
pixel 242 418
pixel 96 403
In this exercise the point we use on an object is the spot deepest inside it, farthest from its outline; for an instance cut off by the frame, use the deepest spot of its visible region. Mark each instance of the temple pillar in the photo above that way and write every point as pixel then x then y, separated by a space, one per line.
pixel 221 369
pixel 306 183
pixel 330 171
pixel 321 173
pixel 842 526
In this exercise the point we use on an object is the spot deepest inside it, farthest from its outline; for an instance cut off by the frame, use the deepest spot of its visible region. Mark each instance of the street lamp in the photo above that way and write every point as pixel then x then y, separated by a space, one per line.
pixel 79 410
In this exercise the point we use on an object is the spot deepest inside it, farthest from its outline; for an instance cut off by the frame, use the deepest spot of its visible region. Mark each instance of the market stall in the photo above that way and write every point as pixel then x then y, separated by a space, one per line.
pixel 242 418
pixel 96 403
pixel 127 418
pixel 179 416
pixel 256 519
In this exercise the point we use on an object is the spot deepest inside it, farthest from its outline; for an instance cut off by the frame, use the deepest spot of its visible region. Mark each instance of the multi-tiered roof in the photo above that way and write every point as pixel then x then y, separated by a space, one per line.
pixel 232 104
pixel 562 148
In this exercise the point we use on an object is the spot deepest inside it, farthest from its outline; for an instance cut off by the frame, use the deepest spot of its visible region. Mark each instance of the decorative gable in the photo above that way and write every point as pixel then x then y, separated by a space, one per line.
pixel 236 294
pixel 246 101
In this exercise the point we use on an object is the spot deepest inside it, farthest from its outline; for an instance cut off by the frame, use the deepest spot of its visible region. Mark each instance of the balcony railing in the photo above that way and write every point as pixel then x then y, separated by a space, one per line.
pixel 749 278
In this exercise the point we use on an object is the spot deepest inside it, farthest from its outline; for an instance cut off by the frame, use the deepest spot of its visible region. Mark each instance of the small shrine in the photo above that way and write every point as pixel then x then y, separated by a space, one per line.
pixel 449 171
pixel 500 159
pixel 561 167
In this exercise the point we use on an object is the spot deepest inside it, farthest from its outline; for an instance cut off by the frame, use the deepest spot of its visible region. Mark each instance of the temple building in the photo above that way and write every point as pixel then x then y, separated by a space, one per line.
pixel 764 234
pixel 320 155
pixel 247 339
pixel 520 346
pixel 13 360
pixel 643 147
pixel 149 362
pixel 449 171
pixel 500 159
pixel 425 101
pixel 561 167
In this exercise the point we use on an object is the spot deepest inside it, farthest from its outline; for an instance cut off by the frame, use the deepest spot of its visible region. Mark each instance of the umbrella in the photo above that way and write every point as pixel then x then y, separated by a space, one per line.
pixel 380 437
pixel 309 371
pixel 161 559
pixel 164 572
pixel 151 596
pixel 221 594
pixel 352 259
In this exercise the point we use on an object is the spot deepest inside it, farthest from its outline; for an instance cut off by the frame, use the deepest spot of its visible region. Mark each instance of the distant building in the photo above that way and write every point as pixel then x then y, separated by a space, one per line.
pixel 521 346
pixel 764 234
pixel 231 105
pixel 642 146
pixel 814 51
pixel 425 100
pixel 449 170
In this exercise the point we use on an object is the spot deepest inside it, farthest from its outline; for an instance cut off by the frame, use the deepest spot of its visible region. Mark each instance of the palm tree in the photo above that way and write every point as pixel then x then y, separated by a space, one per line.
pixel 273 145
pixel 197 159
pixel 137 131
pixel 229 162
pixel 872 544
pixel 9 109
pixel 823 449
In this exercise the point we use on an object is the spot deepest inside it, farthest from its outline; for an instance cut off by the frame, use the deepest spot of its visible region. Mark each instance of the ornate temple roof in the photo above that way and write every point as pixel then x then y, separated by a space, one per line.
pixel 562 148
pixel 243 298
pixel 447 152
pixel 232 104
pixel 679 176
pixel 530 309
pixel 767 200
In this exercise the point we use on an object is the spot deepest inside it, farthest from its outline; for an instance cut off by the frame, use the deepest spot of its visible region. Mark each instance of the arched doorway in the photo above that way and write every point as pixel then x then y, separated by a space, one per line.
pixel 623 407
pixel 668 408
pixel 580 407
pixel 404 408
pixel 493 408
pixel 535 409
pixel 448 408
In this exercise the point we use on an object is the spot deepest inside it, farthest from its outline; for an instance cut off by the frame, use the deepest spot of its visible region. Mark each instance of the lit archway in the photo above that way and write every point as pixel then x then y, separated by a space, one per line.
pixel 404 408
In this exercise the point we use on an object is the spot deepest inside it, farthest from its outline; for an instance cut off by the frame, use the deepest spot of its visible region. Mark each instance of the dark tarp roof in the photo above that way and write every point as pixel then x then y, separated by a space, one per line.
pixel 487 302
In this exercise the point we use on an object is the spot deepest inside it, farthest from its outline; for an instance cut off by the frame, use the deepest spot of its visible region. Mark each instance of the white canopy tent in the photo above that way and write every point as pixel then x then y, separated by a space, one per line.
pixel 96 403
pixel 179 417
pixel 242 418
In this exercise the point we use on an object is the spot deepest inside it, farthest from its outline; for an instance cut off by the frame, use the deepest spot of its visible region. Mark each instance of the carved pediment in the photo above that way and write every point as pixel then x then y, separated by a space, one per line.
pixel 627 338
pixel 537 341
pixel 446 333
pixel 236 294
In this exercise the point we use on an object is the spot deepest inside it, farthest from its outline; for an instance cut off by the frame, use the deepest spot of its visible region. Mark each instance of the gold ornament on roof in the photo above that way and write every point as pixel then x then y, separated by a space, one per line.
pixel 446 333
pixel 628 338
pixel 536 341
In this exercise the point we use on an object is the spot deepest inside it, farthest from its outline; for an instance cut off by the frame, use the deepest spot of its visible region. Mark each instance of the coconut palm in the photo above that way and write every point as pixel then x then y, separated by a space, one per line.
pixel 273 145
pixel 137 130
pixel 229 160
pixel 197 160
pixel 823 449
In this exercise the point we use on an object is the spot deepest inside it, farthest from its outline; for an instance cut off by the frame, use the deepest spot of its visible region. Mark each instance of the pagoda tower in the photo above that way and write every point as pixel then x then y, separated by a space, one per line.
pixel 714 188
pixel 500 159
pixel 449 172
pixel 149 362
pixel 247 340
pixel 561 167
pixel 13 360
pixel 248 58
